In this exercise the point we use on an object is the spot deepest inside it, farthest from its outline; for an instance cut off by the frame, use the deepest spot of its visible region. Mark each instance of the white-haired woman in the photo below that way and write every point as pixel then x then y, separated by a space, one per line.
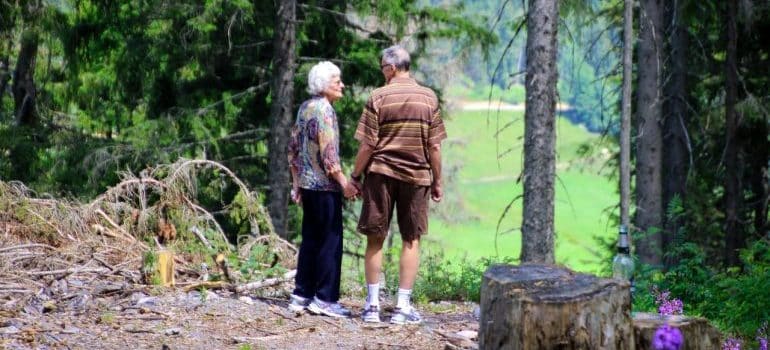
pixel 317 182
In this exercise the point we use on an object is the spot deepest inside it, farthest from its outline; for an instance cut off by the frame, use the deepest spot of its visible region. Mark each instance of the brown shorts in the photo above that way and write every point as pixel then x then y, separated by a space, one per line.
pixel 381 194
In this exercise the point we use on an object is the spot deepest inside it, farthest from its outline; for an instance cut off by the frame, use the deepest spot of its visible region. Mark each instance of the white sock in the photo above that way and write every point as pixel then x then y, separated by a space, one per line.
pixel 373 298
pixel 404 296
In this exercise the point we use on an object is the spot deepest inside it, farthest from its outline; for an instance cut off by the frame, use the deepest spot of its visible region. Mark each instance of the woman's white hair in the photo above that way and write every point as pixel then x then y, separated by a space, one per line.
pixel 320 77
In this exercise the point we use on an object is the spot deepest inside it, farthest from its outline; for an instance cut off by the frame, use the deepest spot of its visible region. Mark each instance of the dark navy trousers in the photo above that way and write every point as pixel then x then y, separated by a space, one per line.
pixel 320 254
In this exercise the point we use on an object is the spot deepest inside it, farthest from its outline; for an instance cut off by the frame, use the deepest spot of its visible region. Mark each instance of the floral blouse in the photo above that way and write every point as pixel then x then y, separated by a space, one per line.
pixel 314 145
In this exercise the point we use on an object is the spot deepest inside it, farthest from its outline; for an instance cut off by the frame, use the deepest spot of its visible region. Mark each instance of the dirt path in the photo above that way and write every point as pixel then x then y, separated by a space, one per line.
pixel 215 320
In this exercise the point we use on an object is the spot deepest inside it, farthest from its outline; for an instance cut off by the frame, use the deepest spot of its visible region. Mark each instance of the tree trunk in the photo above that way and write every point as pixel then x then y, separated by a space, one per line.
pixel 733 201
pixel 24 91
pixel 5 75
pixel 284 43
pixel 675 139
pixel 625 117
pixel 539 134
pixel 758 177
pixel 697 332
pixel 546 307
pixel 649 143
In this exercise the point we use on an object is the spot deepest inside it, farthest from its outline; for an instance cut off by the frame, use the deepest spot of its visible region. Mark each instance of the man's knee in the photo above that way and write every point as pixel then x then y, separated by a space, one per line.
pixel 414 243
pixel 375 241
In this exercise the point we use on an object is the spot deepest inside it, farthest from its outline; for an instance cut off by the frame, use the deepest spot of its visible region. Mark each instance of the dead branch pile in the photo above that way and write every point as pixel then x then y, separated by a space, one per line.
pixel 60 247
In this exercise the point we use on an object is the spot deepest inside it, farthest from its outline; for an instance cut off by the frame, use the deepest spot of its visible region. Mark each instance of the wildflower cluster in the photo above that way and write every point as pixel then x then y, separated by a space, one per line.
pixel 668 306
pixel 731 344
pixel 667 338
pixel 762 336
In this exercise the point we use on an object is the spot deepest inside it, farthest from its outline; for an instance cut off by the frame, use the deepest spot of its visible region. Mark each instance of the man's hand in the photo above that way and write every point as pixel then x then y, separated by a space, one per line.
pixel 436 193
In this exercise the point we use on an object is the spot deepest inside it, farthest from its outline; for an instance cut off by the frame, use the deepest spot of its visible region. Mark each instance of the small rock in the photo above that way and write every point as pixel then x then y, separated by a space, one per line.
pixel 147 302
pixel 211 295
pixel 246 300
pixel 71 330
pixel 49 305
pixel 9 330
pixel 172 331
pixel 468 334
pixel 477 312
pixel 137 295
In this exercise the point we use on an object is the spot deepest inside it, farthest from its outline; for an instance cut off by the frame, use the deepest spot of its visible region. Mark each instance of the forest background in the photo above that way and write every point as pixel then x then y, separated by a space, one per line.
pixel 94 91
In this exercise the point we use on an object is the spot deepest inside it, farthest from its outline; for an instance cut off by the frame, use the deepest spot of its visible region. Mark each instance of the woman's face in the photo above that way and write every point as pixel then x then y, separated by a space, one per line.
pixel 333 91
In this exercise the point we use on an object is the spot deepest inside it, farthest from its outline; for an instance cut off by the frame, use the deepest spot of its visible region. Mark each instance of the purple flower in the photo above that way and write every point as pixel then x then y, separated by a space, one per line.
pixel 762 343
pixel 668 306
pixel 671 307
pixel 667 338
pixel 731 344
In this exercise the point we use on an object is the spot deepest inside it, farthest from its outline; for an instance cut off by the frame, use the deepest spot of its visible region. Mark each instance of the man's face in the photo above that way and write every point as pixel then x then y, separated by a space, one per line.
pixel 388 70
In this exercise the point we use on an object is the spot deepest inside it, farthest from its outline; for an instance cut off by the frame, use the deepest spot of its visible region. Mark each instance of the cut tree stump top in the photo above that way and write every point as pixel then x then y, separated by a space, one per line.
pixel 547 283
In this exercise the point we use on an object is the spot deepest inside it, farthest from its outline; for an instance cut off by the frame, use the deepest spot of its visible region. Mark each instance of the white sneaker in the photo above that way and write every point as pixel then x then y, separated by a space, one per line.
pixel 371 314
pixel 319 307
pixel 407 315
pixel 298 303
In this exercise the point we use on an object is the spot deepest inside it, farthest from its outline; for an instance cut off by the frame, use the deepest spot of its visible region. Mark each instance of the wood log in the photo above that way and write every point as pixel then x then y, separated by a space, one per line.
pixel 698 333
pixel 166 268
pixel 549 307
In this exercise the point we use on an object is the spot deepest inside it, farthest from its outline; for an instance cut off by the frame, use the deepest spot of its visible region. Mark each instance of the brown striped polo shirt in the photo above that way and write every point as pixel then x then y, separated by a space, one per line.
pixel 400 121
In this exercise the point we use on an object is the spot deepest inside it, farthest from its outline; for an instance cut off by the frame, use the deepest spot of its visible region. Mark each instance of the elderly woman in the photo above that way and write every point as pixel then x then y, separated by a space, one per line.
pixel 317 182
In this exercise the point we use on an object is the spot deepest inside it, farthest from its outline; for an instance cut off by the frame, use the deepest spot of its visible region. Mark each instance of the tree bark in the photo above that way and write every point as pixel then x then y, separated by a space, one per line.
pixel 675 139
pixel 539 134
pixel 284 43
pixel 625 116
pixel 733 158
pixel 546 307
pixel 757 165
pixel 698 333
pixel 649 143
pixel 24 90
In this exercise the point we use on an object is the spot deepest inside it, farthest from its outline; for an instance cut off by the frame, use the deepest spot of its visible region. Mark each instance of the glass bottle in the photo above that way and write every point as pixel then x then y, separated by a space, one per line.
pixel 623 264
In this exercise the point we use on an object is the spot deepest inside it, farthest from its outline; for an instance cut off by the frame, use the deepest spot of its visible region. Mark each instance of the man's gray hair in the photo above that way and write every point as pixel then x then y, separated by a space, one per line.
pixel 320 77
pixel 397 56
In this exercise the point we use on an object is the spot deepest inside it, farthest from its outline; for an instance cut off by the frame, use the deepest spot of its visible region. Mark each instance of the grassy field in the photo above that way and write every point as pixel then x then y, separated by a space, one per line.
pixel 481 184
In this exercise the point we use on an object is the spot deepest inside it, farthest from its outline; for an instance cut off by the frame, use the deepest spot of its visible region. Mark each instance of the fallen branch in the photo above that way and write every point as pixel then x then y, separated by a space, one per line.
pixel 25 246
pixel 73 270
pixel 267 282
pixel 208 285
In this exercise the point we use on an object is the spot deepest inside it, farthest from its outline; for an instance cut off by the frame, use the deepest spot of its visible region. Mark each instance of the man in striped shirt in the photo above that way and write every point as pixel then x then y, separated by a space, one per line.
pixel 400 134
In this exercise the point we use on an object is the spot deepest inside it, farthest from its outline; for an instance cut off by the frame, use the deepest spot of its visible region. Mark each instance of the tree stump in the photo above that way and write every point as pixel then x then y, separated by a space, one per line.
pixel 698 333
pixel 548 307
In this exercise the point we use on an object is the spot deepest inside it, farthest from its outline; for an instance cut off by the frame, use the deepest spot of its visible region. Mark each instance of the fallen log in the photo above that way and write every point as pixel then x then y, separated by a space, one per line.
pixel 549 307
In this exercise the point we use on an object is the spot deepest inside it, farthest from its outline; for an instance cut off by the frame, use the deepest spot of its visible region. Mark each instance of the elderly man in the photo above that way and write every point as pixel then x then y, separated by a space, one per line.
pixel 400 134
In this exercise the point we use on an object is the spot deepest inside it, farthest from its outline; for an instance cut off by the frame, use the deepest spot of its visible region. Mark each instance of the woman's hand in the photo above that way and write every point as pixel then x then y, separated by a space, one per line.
pixel 350 190
pixel 296 195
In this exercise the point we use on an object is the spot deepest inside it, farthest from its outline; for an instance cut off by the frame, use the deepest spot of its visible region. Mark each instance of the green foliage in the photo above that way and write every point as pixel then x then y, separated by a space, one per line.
pixel 737 301
pixel 442 277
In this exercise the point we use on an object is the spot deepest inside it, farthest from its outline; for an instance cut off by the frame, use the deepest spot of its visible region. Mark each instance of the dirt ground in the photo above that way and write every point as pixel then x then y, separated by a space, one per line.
pixel 142 317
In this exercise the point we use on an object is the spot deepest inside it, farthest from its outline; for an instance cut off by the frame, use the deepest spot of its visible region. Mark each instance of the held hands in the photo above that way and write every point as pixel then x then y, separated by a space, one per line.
pixel 351 190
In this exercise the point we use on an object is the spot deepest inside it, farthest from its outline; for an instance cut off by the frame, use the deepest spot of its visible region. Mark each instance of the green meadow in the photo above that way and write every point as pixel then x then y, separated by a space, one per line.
pixel 481 179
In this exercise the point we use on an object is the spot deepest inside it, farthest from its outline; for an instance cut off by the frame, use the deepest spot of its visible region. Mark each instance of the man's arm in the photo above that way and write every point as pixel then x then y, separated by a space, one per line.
pixel 434 152
pixel 362 160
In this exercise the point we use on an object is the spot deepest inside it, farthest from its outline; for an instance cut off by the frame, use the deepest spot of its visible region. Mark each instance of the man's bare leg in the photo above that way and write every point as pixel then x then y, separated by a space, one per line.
pixel 409 264
pixel 373 258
